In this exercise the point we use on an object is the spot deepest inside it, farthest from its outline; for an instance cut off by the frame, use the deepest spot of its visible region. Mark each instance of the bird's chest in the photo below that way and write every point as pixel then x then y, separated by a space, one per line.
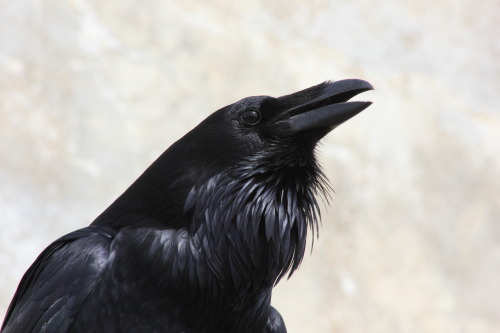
pixel 126 306
pixel 163 279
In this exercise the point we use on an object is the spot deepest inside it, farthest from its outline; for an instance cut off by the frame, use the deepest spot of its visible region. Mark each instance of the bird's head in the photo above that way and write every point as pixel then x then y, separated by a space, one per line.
pixel 281 132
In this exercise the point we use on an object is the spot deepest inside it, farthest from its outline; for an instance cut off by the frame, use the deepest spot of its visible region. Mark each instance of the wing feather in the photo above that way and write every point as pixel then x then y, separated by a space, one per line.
pixel 55 287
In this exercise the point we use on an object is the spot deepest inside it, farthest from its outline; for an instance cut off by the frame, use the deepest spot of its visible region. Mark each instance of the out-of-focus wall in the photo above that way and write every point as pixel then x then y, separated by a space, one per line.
pixel 91 92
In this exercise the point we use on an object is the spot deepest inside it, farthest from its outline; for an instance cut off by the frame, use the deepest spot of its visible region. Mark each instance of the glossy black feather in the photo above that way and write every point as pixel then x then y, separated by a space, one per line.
pixel 198 241
pixel 56 286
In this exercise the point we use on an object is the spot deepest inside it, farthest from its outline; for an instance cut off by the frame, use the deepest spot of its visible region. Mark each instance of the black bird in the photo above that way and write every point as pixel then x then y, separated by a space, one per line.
pixel 198 241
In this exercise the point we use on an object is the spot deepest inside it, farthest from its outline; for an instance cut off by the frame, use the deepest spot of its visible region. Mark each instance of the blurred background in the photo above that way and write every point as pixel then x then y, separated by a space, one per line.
pixel 92 91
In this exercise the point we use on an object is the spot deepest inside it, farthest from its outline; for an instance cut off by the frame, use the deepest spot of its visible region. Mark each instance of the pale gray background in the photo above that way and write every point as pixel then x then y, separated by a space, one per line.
pixel 91 92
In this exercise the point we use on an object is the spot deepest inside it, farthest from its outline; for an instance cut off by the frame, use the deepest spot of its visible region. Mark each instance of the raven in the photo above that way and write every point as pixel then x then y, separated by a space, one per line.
pixel 199 240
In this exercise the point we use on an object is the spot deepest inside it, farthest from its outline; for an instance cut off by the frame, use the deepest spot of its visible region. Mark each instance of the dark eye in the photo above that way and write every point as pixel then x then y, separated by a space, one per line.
pixel 250 117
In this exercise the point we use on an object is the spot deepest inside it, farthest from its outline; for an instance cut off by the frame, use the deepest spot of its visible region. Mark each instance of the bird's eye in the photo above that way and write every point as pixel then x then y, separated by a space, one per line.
pixel 250 117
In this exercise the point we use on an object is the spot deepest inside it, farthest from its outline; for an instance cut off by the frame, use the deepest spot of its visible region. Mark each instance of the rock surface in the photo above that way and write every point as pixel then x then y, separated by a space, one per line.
pixel 91 92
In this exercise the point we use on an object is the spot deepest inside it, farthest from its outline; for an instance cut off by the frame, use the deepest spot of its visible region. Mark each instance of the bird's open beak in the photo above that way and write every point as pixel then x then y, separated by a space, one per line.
pixel 325 111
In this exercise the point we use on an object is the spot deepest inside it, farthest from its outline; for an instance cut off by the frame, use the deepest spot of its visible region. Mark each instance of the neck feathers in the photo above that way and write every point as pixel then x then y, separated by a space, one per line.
pixel 252 221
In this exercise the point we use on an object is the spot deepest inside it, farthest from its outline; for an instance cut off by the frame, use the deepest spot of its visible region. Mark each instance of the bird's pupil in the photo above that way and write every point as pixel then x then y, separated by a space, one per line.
pixel 251 117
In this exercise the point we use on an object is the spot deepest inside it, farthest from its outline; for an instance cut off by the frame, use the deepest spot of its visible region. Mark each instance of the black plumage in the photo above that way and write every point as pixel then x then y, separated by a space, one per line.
pixel 198 241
